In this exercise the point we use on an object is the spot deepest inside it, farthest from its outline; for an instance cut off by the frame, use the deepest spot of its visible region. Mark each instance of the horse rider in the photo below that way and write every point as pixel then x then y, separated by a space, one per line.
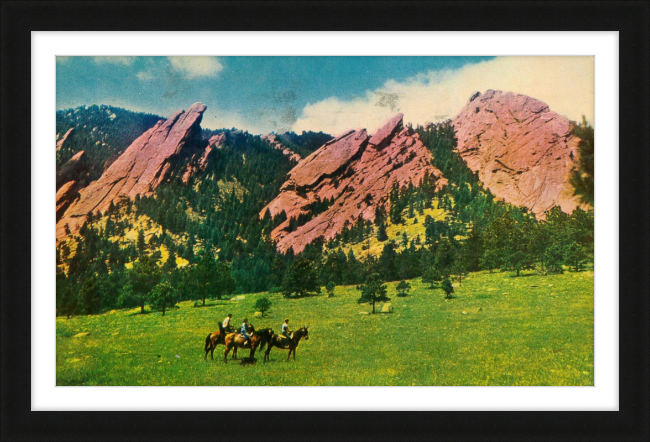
pixel 226 324
pixel 287 333
pixel 244 331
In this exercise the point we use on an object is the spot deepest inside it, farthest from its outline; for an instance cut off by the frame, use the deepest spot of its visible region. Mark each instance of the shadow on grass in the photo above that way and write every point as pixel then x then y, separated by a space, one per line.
pixel 141 313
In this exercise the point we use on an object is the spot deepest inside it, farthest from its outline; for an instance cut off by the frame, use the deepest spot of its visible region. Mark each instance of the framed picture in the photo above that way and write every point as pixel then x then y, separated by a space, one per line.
pixel 406 211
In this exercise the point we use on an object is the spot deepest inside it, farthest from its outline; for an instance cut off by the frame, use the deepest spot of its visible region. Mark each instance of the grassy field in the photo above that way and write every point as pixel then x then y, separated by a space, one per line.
pixel 498 330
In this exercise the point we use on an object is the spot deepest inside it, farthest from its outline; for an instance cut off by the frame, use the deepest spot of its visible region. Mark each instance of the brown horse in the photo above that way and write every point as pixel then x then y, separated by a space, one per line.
pixel 257 340
pixel 213 340
pixel 281 342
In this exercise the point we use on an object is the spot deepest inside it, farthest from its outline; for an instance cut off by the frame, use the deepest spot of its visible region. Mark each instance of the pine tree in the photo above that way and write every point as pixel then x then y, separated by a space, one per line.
pixel 163 296
pixel 402 288
pixel 447 288
pixel 300 278
pixel 140 242
pixel 382 235
pixel 373 291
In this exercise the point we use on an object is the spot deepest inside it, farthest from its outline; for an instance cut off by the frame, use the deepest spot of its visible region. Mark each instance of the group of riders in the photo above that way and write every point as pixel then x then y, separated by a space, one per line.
pixel 245 330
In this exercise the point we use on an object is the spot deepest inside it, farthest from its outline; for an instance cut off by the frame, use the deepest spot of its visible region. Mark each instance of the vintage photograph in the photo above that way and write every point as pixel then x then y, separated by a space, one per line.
pixel 324 221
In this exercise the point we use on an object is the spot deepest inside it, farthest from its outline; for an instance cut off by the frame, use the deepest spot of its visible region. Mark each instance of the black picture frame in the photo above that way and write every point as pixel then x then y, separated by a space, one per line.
pixel 630 18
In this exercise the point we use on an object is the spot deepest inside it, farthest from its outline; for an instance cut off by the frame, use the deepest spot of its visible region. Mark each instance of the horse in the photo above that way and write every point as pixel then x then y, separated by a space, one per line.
pixel 257 339
pixel 281 342
pixel 213 340
pixel 266 334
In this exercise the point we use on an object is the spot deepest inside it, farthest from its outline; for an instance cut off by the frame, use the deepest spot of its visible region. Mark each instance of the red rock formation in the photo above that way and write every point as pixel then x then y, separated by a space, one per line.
pixel 217 140
pixel 276 144
pixel 357 173
pixel 70 170
pixel 142 167
pixel 64 138
pixel 523 152
pixel 65 197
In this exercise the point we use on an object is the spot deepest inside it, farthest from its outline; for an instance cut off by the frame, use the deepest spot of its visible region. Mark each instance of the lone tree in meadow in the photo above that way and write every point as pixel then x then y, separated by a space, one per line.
pixel 330 289
pixel 262 305
pixel 300 278
pixel 373 291
pixel 447 288
pixel 432 277
pixel 162 297
pixel 402 288
pixel 459 271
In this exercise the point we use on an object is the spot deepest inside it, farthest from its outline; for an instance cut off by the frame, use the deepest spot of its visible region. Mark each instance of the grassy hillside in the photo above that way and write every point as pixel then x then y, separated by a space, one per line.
pixel 498 330
pixel 413 227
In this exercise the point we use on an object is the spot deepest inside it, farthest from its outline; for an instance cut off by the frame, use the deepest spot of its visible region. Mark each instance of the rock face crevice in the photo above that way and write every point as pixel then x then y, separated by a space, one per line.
pixel 523 152
pixel 147 162
pixel 355 172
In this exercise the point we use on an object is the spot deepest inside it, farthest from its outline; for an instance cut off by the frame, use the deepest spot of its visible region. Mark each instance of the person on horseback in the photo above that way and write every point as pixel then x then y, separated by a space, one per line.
pixel 226 324
pixel 287 333
pixel 244 331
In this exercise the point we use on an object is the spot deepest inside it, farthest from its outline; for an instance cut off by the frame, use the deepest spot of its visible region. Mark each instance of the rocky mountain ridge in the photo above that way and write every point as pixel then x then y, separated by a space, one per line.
pixel 272 139
pixel 145 164
pixel 352 174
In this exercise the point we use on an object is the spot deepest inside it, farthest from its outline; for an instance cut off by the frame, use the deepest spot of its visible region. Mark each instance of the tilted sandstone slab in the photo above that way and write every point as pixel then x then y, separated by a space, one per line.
pixel 272 139
pixel 357 172
pixel 523 152
pixel 65 197
pixel 71 169
pixel 66 136
pixel 146 163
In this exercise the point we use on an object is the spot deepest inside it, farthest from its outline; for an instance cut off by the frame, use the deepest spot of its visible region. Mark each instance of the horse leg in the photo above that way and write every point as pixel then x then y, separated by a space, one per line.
pixel 225 354
pixel 234 352
pixel 294 353
pixel 212 347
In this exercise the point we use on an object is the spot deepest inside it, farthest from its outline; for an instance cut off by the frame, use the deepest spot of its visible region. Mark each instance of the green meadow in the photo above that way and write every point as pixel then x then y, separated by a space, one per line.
pixel 497 330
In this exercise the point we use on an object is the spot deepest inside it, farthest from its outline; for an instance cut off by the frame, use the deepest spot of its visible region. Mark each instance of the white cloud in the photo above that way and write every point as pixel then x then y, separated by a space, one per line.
pixel 124 61
pixel 62 59
pixel 196 67
pixel 566 84
pixel 145 75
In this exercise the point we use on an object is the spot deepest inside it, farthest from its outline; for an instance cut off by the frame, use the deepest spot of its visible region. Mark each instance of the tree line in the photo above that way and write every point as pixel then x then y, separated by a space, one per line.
pixel 213 224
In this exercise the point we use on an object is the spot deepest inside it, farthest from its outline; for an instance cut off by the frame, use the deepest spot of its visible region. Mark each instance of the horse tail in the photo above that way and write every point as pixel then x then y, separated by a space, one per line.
pixel 207 342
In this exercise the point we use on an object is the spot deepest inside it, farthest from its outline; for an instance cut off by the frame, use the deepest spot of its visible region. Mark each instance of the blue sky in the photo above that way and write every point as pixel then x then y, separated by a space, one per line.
pixel 264 94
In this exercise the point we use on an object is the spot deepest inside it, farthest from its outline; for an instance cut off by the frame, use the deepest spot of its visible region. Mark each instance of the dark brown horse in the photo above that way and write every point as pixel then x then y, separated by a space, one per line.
pixel 257 340
pixel 266 334
pixel 281 342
